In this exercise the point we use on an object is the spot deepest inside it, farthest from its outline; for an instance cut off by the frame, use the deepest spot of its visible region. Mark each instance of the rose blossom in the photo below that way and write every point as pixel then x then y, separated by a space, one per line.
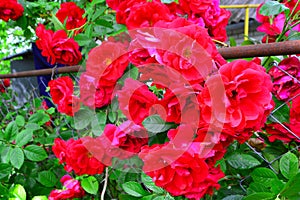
pixel 295 116
pixel 10 9
pixel 72 189
pixel 107 62
pixel 187 175
pixel 61 91
pixel 72 14
pixel 92 93
pixel 4 83
pixel 147 14
pixel 278 132
pixel 248 98
pixel 135 100
pixel 286 78
pixel 83 156
pixel 57 47
pixel 125 140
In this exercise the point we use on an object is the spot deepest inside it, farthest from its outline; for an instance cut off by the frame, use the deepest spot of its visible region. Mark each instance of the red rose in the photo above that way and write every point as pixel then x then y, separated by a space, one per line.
pixel 179 105
pixel 4 83
pixel 57 47
pixel 61 91
pixel 207 14
pixel 10 9
pixel 72 189
pixel 124 9
pixel 295 116
pixel 125 140
pixel 147 14
pixel 278 132
pixel 84 156
pixel 107 62
pixel 286 77
pixel 194 32
pixel 247 98
pixel 92 93
pixel 187 175
pixel 135 100
pixel 71 14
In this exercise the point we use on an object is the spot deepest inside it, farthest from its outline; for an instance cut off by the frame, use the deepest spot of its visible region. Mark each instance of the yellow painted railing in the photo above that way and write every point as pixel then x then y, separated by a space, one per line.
pixel 246 7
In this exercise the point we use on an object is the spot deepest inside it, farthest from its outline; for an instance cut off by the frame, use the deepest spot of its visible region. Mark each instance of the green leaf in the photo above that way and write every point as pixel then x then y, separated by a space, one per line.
pixel 155 124
pixel 272 8
pixel 98 13
pixel 3 191
pixel 5 170
pixel 232 42
pixel 98 123
pixel 24 137
pixel 105 23
pixel 260 196
pixel 35 153
pixel 256 187
pixel 47 178
pixel 50 111
pixel 242 161
pixel 94 2
pixel 17 158
pixel 17 192
pixel 5 154
pixel 289 165
pixel 133 73
pixel 112 116
pixel 291 189
pixel 39 118
pixel 233 197
pixel 32 126
pixel 90 185
pixel 148 197
pixel 82 39
pixel 57 24
pixel 11 131
pixel 264 176
pixel 276 186
pixel 134 189
pixel 282 114
pixel 147 181
pixel 20 121
pixel 247 42
pixel 83 118
pixel 294 35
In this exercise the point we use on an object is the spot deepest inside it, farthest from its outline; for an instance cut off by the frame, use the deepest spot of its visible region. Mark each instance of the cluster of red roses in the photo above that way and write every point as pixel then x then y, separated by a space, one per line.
pixel 4 84
pixel 286 79
pixel 142 13
pixel 10 9
pixel 212 102
pixel 273 25
pixel 57 47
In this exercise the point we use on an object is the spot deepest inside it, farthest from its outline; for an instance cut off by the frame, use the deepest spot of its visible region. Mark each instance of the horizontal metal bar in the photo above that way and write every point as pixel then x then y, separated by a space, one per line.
pixel 240 6
pixel 43 72
pixel 259 50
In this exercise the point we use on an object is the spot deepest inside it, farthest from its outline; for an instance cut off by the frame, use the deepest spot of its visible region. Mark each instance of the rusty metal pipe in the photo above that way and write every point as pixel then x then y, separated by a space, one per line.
pixel 43 72
pixel 259 50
